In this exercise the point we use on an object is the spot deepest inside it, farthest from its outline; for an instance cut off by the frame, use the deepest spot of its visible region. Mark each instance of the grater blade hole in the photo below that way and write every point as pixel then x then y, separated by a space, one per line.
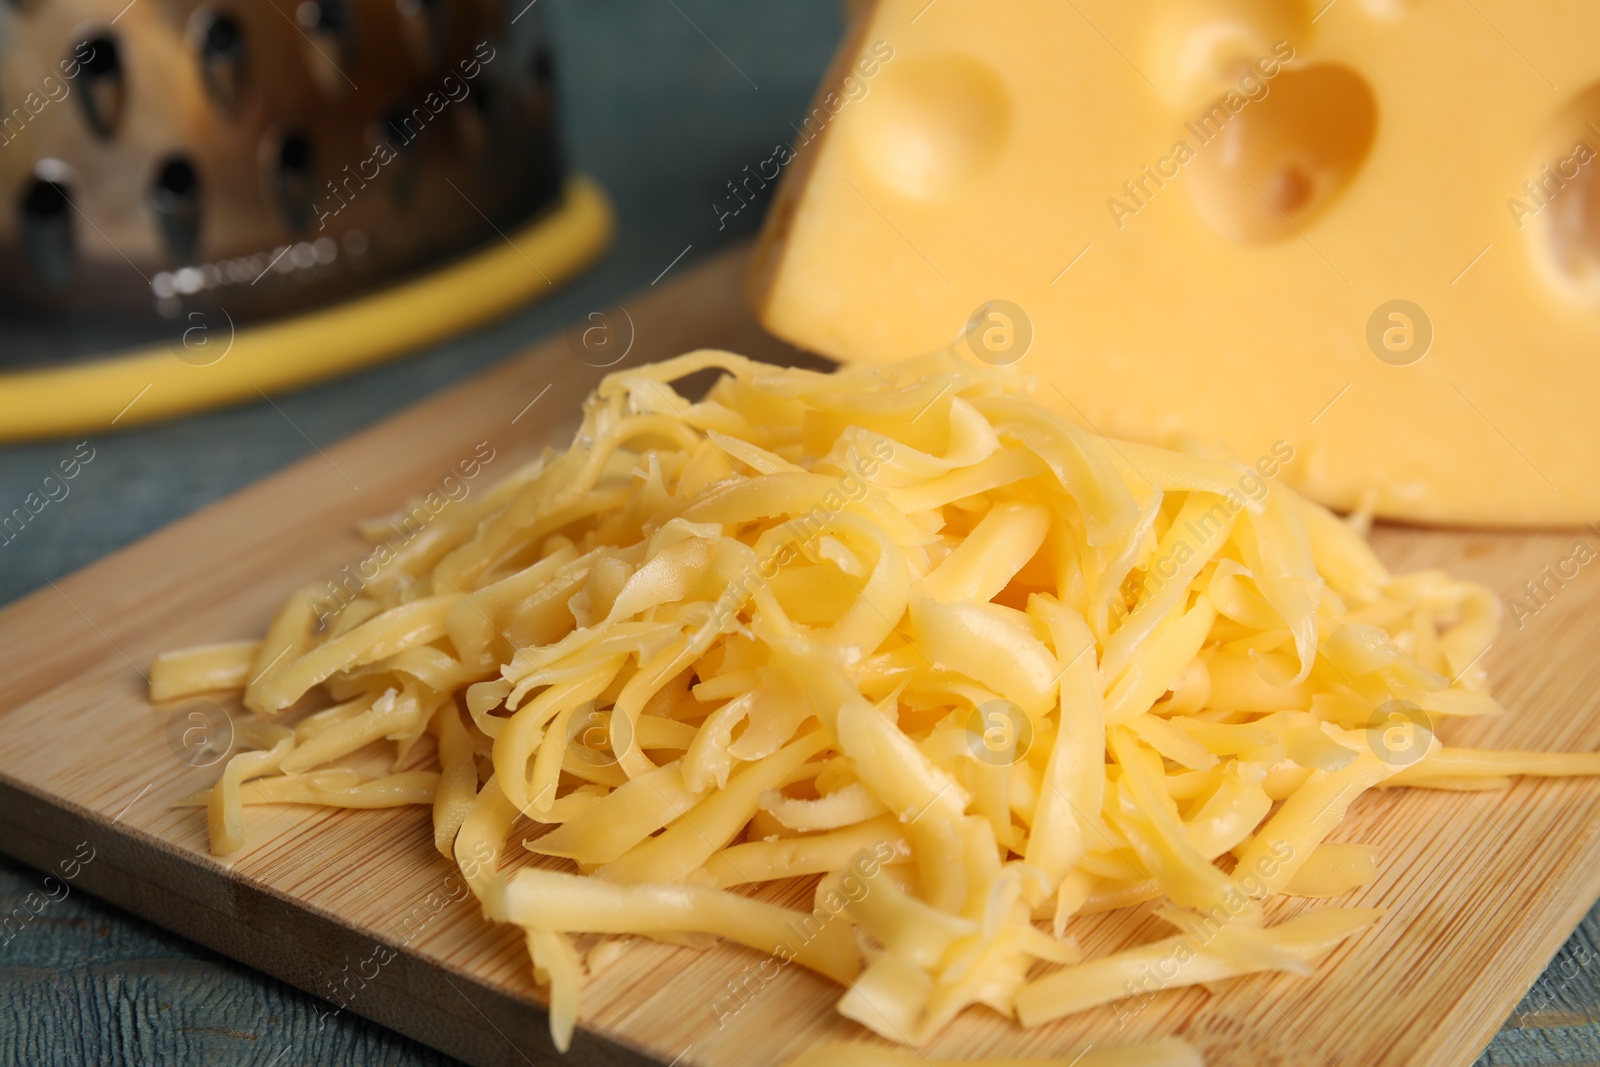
pixel 395 127
pixel 176 200
pixel 104 60
pixel 222 60
pixel 178 180
pixel 295 181
pixel 224 39
pixel 295 155
pixel 326 16
pixel 103 96
pixel 45 200
pixel 46 230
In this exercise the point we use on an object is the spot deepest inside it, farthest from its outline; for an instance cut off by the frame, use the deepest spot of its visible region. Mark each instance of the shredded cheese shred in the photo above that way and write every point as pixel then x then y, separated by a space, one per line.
pixel 903 632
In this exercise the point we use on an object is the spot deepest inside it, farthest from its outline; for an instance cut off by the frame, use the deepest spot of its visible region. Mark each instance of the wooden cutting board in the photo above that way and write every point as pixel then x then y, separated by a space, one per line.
pixel 1480 889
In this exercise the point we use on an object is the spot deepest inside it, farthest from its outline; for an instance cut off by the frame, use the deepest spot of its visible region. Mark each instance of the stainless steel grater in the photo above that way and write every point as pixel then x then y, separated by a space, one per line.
pixel 261 156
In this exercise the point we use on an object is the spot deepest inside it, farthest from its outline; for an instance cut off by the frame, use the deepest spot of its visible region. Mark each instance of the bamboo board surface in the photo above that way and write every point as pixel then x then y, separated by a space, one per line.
pixel 1480 889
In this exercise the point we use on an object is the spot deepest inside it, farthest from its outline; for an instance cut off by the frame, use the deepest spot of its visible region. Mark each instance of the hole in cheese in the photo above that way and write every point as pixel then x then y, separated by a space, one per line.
pixel 1574 231
pixel 1199 47
pixel 934 124
pixel 1558 204
pixel 1275 163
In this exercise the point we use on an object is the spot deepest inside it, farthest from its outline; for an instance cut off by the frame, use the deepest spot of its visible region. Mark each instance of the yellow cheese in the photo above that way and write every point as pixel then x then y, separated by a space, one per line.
pixel 1369 235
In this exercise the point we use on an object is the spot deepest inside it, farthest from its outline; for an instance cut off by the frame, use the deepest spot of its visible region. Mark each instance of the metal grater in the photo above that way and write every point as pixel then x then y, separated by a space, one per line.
pixel 262 157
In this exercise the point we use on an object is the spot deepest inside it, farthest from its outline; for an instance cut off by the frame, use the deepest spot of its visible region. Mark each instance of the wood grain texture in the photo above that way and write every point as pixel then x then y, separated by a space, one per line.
pixel 1480 889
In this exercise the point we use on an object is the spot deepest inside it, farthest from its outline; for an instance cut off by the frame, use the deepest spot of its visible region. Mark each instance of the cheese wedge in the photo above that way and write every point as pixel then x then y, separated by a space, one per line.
pixel 1368 235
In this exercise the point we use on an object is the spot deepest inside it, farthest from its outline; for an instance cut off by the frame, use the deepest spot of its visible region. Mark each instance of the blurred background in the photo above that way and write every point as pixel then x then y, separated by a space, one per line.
pixel 661 101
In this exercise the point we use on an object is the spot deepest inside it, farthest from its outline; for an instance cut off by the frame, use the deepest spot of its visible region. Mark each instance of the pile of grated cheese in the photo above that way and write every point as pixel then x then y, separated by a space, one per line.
pixel 900 631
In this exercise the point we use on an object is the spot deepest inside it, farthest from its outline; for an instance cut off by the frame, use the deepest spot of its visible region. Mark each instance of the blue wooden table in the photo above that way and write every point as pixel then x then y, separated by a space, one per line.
pixel 664 102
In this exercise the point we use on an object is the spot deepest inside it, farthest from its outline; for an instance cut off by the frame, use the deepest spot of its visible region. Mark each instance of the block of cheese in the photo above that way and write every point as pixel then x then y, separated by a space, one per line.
pixel 1367 235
